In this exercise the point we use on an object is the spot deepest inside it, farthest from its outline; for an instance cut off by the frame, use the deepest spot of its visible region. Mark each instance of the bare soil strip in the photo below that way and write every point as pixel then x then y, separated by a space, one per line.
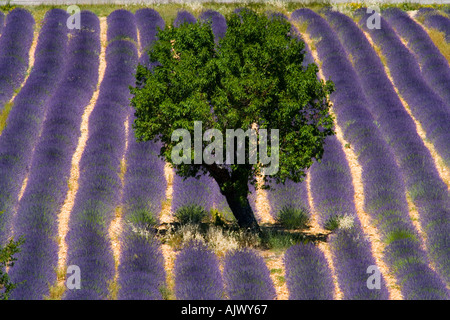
pixel 275 264
pixel 64 215
pixel 166 213
pixel 115 228
pixel 377 246
pixel 262 205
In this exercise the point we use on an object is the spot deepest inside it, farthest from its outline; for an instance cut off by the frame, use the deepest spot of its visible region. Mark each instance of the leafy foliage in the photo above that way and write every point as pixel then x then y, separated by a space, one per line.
pixel 7 260
pixel 253 75
pixel 293 217
pixel 191 213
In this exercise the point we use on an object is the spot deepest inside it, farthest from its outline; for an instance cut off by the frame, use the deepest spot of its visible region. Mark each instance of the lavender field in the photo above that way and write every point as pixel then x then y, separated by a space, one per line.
pixel 81 191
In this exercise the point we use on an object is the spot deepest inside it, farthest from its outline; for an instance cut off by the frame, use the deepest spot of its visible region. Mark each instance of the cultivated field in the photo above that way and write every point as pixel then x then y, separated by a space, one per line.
pixel 82 192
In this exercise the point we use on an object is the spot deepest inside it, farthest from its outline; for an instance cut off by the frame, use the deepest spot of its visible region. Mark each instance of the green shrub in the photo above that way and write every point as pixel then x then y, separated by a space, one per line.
pixel 336 221
pixel 333 222
pixel 293 218
pixel 141 218
pixel 7 259
pixel 192 213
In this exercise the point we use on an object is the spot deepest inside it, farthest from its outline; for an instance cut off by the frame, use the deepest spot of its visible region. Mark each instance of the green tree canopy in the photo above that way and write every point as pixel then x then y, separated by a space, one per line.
pixel 252 78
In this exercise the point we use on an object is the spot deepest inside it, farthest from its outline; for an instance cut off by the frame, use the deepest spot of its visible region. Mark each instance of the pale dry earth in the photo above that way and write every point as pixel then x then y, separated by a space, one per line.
pixel 64 215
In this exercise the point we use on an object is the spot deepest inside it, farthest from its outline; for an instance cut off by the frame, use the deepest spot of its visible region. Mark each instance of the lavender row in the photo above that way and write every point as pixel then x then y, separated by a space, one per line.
pixel 428 191
pixel 426 106
pixel 218 23
pixel 99 190
pixel 434 66
pixel 287 195
pixel 123 26
pixel 384 190
pixel 246 276
pixel 203 192
pixel 147 20
pixel 25 119
pixel 15 45
pixel 2 22
pixel 141 268
pixel 435 20
pixel 333 198
pixel 183 16
pixel 308 276
pixel 37 214
pixel 197 274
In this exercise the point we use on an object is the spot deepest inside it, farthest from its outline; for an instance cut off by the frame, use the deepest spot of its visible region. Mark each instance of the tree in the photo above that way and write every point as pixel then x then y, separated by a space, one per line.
pixel 7 260
pixel 252 78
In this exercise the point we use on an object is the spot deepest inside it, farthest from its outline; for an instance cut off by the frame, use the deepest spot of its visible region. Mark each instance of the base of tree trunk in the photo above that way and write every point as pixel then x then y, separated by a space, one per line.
pixel 243 212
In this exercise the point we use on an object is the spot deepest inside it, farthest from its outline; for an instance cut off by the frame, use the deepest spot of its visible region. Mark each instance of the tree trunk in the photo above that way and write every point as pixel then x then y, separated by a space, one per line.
pixel 235 189
pixel 242 211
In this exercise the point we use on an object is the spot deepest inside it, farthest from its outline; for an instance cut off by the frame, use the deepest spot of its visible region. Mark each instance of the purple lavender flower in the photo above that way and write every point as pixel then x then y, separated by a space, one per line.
pixel 247 277
pixel 98 195
pixel 429 192
pixel 197 274
pixel 384 190
pixel 141 269
pixel 47 184
pixel 15 45
pixel 184 16
pixel 307 274
pixel 434 67
pixel 426 106
pixel 25 119
pixel 123 25
pixel 148 21
pixel 218 23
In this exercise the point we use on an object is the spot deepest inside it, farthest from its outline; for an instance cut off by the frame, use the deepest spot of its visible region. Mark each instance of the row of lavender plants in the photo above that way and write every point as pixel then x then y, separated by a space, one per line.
pixel 384 190
pixel 147 20
pixel 197 274
pixel 88 240
pixel 2 22
pixel 25 120
pixel 433 19
pixel 37 214
pixel 332 190
pixel 308 276
pixel 15 45
pixel 425 105
pixel 246 276
pixel 434 66
pixel 198 277
pixel 427 190
pixel 141 268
